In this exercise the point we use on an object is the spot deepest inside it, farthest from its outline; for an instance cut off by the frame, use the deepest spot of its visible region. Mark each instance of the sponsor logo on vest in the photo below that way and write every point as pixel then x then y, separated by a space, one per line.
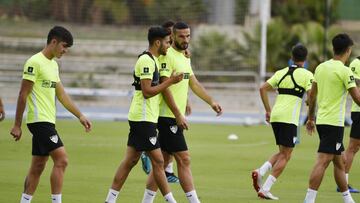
pixel 173 129
pixel 54 138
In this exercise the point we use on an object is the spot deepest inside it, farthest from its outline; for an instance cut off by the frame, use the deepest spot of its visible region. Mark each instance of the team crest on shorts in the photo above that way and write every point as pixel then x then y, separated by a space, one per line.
pixel 153 140
pixel 294 139
pixel 174 128
pixel 338 145
pixel 54 138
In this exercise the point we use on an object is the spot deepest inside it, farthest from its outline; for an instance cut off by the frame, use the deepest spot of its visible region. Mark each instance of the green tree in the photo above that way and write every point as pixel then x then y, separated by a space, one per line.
pixel 215 51
pixel 190 11
pixel 301 11
pixel 281 38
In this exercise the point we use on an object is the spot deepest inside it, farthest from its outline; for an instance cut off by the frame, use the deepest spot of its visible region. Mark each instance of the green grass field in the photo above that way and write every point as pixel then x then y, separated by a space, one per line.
pixel 221 168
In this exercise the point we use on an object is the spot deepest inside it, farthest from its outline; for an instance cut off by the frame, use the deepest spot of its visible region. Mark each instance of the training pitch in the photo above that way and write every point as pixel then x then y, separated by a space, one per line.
pixel 221 167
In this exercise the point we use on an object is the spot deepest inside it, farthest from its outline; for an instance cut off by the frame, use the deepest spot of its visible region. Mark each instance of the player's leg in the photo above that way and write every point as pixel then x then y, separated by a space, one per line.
pixel 185 176
pixel 60 160
pixel 353 147
pixel 317 175
pixel 158 174
pixel 350 152
pixel 258 173
pixel 38 164
pixel 282 160
pixel 329 146
pixel 339 175
pixel 131 158
pixel 151 186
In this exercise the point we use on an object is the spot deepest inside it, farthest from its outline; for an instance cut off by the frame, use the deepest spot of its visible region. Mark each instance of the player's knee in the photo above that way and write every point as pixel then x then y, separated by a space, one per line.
pixel 354 148
pixel 184 161
pixel 130 163
pixel 37 168
pixel 158 163
pixel 61 163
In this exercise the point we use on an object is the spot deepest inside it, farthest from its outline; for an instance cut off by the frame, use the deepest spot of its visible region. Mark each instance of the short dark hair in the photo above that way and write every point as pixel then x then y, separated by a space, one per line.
pixel 180 26
pixel 299 53
pixel 341 43
pixel 156 33
pixel 168 24
pixel 61 34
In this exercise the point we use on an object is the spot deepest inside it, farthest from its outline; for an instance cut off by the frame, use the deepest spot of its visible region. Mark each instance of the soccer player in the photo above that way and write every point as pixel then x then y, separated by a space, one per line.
pixel 332 81
pixel 354 142
pixel 292 83
pixel 39 87
pixel 143 115
pixel 145 160
pixel 2 110
pixel 171 121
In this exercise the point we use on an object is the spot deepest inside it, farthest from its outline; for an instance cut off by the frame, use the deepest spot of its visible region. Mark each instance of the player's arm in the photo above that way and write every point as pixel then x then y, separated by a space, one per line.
pixel 149 91
pixel 200 91
pixel 310 124
pixel 355 94
pixel 265 99
pixel 169 99
pixel 188 108
pixel 2 110
pixel 25 89
pixel 66 101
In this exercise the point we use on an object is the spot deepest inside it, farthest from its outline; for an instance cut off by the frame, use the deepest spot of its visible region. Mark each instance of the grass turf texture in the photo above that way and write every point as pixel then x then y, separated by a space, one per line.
pixel 221 168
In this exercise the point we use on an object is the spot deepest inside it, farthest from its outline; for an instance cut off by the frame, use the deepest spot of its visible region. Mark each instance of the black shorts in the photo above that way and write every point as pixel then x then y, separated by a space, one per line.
pixel 143 136
pixel 331 139
pixel 45 138
pixel 355 126
pixel 285 134
pixel 171 137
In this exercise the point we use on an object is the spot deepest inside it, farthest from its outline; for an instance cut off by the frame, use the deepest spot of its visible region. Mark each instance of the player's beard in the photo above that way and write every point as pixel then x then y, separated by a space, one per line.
pixel 179 46
pixel 162 50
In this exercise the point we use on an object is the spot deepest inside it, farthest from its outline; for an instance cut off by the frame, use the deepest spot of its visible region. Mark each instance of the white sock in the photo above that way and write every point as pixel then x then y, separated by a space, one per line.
pixel 265 168
pixel 310 196
pixel 112 195
pixel 170 198
pixel 169 168
pixel 56 198
pixel 347 178
pixel 268 183
pixel 25 198
pixel 347 197
pixel 192 197
pixel 149 196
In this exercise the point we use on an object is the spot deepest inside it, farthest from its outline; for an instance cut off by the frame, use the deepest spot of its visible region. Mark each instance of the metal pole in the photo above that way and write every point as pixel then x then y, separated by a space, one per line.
pixel 326 26
pixel 264 18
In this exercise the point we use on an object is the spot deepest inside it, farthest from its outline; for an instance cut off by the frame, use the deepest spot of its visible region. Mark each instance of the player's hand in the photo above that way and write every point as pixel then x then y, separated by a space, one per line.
pixel 2 113
pixel 86 123
pixel 187 53
pixel 217 108
pixel 310 126
pixel 188 109
pixel 16 132
pixel 267 116
pixel 176 77
pixel 181 122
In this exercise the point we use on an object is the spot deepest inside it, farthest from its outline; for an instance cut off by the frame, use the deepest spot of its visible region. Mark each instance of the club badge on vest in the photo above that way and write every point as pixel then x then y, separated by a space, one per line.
pixel 152 140
pixel 174 128
pixel 54 138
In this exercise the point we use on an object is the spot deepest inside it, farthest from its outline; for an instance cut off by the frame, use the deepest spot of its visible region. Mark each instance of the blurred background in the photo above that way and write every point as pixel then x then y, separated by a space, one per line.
pixel 236 44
